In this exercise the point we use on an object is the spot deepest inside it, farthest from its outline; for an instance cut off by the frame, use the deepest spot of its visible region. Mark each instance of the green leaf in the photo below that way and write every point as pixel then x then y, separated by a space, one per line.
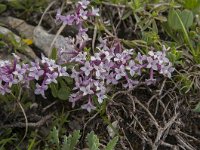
pixel 135 43
pixel 63 93
pixel 2 44
pixel 161 18
pixel 170 32
pixel 191 4
pixel 69 80
pixel 186 18
pixel 71 141
pixel 6 141
pixel 173 20
pixel 197 108
pixel 17 4
pixel 32 144
pixel 2 8
pixel 127 14
pixel 54 54
pixel 54 89
pixel 62 82
pixel 111 145
pixel 74 139
pixel 65 143
pixel 182 20
pixel 174 56
pixel 187 39
pixel 54 137
pixel 93 141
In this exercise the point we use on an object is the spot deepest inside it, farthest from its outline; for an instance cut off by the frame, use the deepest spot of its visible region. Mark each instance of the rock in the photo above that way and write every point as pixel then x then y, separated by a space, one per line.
pixel 21 26
pixel 41 38
pixel 28 51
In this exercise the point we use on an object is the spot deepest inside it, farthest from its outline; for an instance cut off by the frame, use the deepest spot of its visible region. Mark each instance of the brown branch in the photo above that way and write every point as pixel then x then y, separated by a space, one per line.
pixel 30 124
pixel 189 136
pixel 161 131
pixel 114 5
pixel 24 113
pixel 149 113
pixel 184 143
pixel 48 106
pixel 166 144
pixel 127 139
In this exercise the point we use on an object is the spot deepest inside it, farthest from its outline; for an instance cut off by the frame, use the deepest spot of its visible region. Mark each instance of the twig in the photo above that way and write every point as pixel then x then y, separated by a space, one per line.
pixel 57 34
pixel 189 136
pixel 23 111
pixel 184 143
pixel 162 87
pixel 127 139
pixel 166 144
pixel 54 39
pixel 167 92
pixel 30 124
pixel 149 113
pixel 151 99
pixel 88 122
pixel 114 5
pixel 162 130
pixel 137 101
pixel 160 93
pixel 141 126
pixel 48 106
pixel 143 137
pixel 94 38
pixel 45 12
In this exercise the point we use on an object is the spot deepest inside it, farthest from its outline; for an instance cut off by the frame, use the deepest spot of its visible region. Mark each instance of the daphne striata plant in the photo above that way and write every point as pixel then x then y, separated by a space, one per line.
pixel 111 64
pixel 46 71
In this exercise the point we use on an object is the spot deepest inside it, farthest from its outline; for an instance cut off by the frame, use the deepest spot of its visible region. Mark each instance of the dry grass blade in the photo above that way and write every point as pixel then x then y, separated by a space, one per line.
pixel 24 113
pixel 51 4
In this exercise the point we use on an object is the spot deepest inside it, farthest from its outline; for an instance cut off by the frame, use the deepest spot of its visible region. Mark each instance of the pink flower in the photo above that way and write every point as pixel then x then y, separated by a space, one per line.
pixel 152 63
pixel 40 89
pixel 86 90
pixel 95 11
pixel 36 74
pixel 84 3
pixel 132 67
pixel 120 72
pixel 51 78
pixel 4 89
pixel 87 68
pixel 89 106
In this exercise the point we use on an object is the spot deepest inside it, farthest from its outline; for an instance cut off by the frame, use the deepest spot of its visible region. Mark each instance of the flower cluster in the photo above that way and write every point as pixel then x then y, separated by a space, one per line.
pixel 110 66
pixel 80 15
pixel 93 74
pixel 46 70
